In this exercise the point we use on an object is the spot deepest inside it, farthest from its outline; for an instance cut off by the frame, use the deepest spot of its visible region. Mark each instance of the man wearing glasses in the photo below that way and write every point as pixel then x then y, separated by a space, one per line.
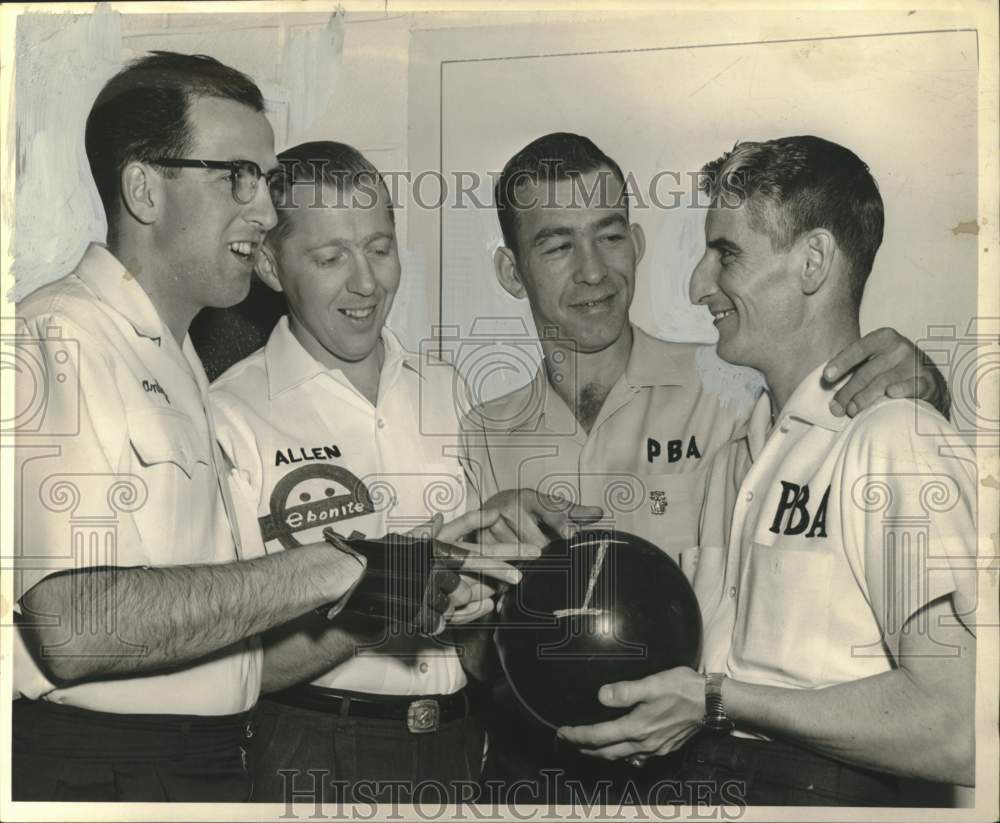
pixel 138 605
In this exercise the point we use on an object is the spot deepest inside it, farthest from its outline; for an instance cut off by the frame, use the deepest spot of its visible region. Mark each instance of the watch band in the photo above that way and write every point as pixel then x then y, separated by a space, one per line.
pixel 715 718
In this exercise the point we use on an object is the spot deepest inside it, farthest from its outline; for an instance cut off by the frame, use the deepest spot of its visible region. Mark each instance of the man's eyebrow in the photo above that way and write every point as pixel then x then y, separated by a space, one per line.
pixel 341 243
pixel 554 231
pixel 721 244
pixel 328 244
pixel 611 220
pixel 276 167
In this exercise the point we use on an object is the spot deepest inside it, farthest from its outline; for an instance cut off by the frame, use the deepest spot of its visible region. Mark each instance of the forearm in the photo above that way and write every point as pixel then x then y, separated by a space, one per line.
pixel 885 722
pixel 310 646
pixel 168 616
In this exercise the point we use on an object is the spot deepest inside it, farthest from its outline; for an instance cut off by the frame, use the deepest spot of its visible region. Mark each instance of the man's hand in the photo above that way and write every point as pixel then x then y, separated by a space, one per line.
pixel 529 516
pixel 473 598
pixel 885 364
pixel 668 708
pixel 430 576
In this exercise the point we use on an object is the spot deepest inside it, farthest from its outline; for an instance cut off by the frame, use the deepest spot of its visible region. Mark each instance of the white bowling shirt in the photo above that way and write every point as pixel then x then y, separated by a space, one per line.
pixel 645 458
pixel 115 466
pixel 310 451
pixel 840 530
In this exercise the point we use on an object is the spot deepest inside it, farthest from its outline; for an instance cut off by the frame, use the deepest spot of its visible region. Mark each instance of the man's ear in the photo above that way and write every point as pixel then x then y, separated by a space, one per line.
pixel 505 265
pixel 638 241
pixel 141 191
pixel 819 249
pixel 267 267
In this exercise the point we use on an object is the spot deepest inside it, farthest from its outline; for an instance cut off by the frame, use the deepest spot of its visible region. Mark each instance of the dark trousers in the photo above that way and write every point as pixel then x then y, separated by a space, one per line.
pixel 311 756
pixel 726 770
pixel 61 753
pixel 527 764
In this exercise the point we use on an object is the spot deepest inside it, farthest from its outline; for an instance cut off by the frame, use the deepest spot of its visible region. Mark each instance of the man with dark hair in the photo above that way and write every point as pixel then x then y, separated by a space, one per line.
pixel 835 643
pixel 557 156
pixel 383 713
pixel 136 662
pixel 620 417
pixel 141 114
pixel 804 183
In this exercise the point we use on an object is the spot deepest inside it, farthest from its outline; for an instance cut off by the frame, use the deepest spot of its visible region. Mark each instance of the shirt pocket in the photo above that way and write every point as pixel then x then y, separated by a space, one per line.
pixel 162 436
pixel 174 464
pixel 782 627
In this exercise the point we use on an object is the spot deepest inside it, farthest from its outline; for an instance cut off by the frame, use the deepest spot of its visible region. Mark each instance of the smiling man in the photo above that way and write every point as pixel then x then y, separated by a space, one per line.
pixel 621 418
pixel 136 662
pixel 836 593
pixel 322 428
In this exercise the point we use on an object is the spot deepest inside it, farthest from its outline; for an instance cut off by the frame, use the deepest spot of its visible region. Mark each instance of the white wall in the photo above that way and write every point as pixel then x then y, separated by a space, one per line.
pixel 375 80
pixel 669 92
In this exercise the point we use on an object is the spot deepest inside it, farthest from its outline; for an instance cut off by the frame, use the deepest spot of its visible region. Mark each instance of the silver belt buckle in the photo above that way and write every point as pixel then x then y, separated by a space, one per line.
pixel 423 716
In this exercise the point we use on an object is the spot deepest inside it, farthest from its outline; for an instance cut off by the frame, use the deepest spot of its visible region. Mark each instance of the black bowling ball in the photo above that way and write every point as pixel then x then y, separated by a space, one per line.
pixel 601 607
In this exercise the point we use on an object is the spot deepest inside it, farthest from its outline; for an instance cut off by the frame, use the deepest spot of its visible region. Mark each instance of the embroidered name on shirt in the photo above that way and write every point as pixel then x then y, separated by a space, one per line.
pixel 156 388
pixel 793 502
pixel 675 450
pixel 285 457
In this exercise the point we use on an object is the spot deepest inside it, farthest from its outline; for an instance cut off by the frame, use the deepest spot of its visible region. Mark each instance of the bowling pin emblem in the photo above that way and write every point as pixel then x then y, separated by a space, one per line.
pixel 657 502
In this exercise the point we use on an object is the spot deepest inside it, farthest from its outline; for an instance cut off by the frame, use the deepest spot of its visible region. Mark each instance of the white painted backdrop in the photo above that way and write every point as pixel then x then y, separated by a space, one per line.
pixel 680 92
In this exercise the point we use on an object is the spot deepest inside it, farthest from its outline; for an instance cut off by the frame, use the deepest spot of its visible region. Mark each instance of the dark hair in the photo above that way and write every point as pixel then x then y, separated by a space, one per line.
pixel 337 165
pixel 142 113
pixel 794 184
pixel 557 156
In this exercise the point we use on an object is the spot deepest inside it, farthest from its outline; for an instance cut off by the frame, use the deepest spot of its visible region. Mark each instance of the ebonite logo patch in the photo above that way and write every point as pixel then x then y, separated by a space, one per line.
pixel 313 496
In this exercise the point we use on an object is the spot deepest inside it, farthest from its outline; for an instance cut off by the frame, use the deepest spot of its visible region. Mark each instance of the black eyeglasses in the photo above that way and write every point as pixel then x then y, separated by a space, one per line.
pixel 243 174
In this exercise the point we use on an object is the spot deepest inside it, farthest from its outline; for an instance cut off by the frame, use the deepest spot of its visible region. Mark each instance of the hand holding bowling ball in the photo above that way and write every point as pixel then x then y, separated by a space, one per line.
pixel 600 607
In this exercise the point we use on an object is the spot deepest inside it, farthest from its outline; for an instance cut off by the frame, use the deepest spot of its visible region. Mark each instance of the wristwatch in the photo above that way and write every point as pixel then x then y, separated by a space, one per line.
pixel 715 718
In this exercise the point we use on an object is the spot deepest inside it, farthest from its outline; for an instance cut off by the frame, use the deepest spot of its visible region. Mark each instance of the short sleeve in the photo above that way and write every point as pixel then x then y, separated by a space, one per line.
pixel 70 435
pixel 907 502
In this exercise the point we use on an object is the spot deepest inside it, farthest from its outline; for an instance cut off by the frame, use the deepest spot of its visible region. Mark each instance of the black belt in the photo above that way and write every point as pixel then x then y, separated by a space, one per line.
pixel 421 714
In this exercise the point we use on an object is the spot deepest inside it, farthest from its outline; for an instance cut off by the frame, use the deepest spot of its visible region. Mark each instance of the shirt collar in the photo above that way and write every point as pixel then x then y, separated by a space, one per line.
pixel 396 358
pixel 649 364
pixel 758 426
pixel 289 365
pixel 652 364
pixel 809 403
pixel 105 275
